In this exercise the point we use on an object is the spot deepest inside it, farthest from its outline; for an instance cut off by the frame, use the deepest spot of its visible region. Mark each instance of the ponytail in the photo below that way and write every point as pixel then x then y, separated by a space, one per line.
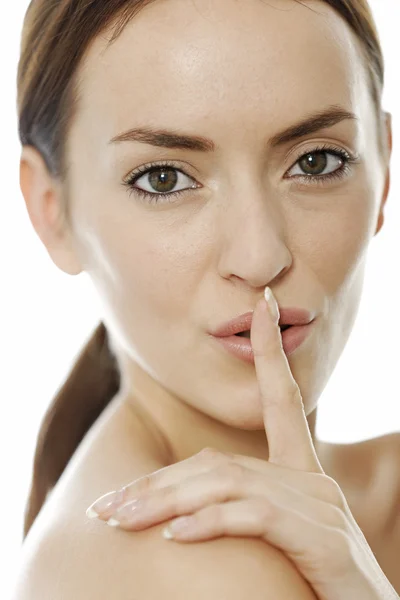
pixel 93 381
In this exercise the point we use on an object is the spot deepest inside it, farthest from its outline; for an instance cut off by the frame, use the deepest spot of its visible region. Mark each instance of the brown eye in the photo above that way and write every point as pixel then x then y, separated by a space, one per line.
pixel 167 178
pixel 314 163
pixel 322 165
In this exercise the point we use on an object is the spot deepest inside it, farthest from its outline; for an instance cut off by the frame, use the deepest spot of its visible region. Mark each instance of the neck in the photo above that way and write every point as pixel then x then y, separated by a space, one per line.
pixel 177 430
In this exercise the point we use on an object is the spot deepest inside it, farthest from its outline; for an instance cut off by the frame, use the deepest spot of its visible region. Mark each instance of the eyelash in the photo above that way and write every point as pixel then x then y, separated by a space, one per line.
pixel 153 197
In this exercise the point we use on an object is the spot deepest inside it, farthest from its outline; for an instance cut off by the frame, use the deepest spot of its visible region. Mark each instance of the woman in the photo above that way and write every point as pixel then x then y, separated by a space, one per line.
pixel 188 156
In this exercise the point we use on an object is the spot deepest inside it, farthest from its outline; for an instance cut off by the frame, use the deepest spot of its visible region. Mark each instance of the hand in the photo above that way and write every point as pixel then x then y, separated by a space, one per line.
pixel 288 501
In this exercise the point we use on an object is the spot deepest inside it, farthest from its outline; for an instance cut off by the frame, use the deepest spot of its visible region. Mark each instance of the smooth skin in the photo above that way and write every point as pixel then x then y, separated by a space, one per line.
pixel 167 273
pixel 287 501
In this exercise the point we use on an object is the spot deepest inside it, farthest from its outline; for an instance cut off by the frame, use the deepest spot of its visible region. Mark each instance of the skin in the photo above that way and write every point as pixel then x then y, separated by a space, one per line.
pixel 167 273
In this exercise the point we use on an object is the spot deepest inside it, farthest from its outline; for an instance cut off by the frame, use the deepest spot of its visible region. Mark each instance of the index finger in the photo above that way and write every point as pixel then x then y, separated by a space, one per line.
pixel 289 439
pixel 105 505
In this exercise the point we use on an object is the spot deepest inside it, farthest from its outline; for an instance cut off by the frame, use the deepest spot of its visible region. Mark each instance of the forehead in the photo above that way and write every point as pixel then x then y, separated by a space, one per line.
pixel 177 61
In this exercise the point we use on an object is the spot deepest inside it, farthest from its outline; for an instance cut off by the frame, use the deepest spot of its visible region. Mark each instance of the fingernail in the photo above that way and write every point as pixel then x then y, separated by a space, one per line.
pixel 127 513
pixel 272 305
pixel 108 502
pixel 181 525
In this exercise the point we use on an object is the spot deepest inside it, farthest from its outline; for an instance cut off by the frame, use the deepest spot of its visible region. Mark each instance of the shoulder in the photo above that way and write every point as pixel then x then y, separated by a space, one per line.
pixel 391 454
pixel 364 461
pixel 96 561
pixel 100 562
pixel 388 440
pixel 74 557
pixel 382 454
pixel 66 555
pixel 368 473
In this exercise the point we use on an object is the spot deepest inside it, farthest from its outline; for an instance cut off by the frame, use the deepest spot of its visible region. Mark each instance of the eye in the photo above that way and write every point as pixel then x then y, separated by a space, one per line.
pixel 315 163
pixel 322 164
pixel 159 180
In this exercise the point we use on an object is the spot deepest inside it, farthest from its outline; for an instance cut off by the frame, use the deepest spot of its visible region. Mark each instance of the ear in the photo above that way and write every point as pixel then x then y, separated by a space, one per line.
pixel 44 201
pixel 388 153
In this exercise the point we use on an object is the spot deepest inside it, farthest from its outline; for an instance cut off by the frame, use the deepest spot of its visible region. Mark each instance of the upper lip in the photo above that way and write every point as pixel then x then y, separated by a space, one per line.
pixel 288 316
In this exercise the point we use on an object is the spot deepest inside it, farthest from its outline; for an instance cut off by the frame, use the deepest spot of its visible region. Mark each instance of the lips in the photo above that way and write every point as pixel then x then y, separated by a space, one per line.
pixel 240 347
pixel 246 334
pixel 242 323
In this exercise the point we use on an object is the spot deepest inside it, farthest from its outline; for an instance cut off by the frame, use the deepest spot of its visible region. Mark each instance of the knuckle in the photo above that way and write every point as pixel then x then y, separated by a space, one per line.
pixel 139 486
pixel 213 515
pixel 293 393
pixel 232 472
pixel 289 393
pixel 169 497
pixel 336 518
pixel 333 493
pixel 169 491
pixel 210 453
pixel 266 511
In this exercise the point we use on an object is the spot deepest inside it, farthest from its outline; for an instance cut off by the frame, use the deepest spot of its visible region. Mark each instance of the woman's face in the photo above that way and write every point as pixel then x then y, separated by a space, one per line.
pixel 239 74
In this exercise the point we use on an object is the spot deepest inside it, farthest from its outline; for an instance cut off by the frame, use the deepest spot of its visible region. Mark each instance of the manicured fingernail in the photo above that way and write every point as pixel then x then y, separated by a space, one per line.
pixel 272 305
pixel 181 525
pixel 107 503
pixel 127 513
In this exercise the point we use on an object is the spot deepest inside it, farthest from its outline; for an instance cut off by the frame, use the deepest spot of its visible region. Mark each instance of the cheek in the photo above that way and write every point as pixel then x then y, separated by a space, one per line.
pixel 140 271
pixel 338 240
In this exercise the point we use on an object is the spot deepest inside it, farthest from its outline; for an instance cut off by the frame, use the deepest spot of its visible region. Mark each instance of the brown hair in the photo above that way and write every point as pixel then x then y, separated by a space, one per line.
pixel 55 37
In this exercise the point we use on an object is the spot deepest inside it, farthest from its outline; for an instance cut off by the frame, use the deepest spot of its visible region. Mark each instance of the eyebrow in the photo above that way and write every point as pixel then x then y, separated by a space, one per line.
pixel 174 139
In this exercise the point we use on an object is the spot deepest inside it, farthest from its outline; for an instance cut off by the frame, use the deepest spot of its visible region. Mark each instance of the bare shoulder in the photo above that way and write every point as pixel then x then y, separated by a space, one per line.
pixel 391 441
pixel 388 470
pixel 66 555
pixel 380 459
pixel 383 452
pixel 96 561
pixel 363 461
pixel 368 472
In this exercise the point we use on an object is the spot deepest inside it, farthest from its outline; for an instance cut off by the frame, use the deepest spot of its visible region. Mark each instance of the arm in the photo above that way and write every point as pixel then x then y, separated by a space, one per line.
pixel 101 562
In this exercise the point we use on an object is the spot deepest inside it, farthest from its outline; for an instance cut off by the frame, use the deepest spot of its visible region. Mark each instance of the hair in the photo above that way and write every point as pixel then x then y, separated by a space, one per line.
pixel 56 35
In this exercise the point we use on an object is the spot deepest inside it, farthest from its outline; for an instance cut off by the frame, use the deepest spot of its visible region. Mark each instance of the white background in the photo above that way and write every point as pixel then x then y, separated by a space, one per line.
pixel 47 315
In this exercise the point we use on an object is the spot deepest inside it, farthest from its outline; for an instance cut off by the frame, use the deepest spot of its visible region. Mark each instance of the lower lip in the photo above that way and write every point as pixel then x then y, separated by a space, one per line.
pixel 240 347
